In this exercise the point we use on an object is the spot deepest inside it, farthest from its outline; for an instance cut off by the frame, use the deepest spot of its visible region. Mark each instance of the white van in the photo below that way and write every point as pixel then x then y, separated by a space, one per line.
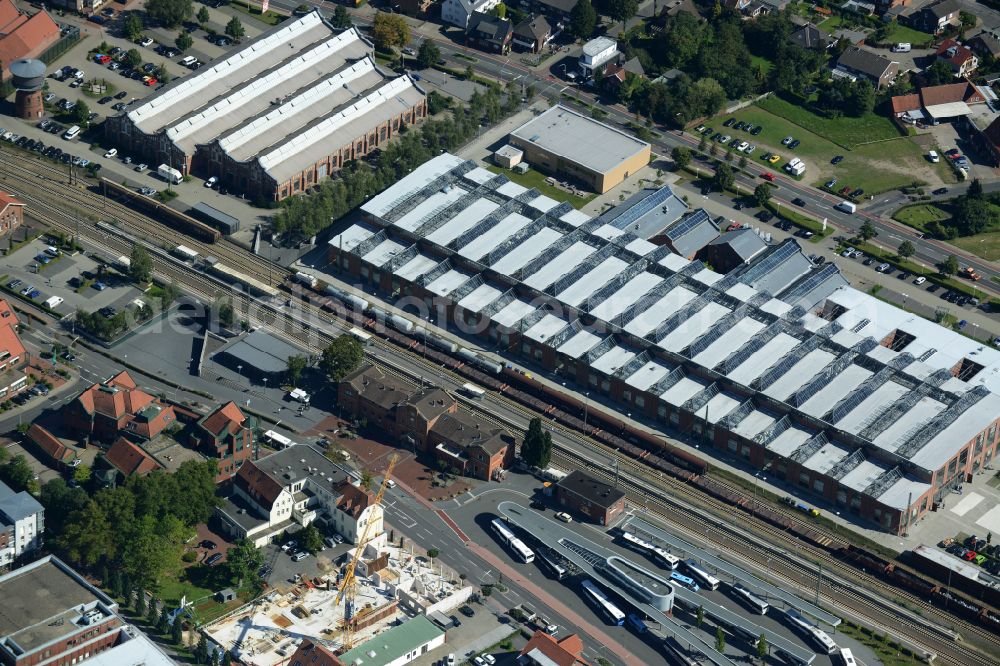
pixel 902 47
pixel 847 207
pixel 71 133
pixel 187 61
pixel 933 156
pixel 53 302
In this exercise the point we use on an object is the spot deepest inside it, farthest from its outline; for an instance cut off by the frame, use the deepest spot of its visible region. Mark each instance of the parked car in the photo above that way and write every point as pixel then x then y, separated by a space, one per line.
pixel 146 41
pixel 564 517
pixel 111 153
pixel 756 130
pixel 299 556
pixel 794 144
pixel 882 268
pixel 213 559
pixel 837 160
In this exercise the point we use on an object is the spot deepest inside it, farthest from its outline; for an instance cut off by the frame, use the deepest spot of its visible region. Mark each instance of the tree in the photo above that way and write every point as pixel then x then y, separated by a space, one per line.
pixel 975 190
pixel 867 231
pixel 621 10
pixel 762 648
pixel 235 29
pixel 243 559
pixel 201 650
pixel 367 479
pixel 500 11
pixel 162 74
pixel 342 357
pixel 950 265
pixel 428 54
pixel 171 13
pixel 582 19
pixel 972 215
pixel 762 194
pixel 152 547
pixel 153 613
pixel 720 640
pixel 310 539
pixel 724 177
pixel 133 58
pixel 132 26
pixel 203 16
pixel 177 631
pixel 227 659
pixel 681 156
pixel 536 448
pixel 906 249
pixel 17 473
pixel 81 474
pixel 296 365
pixel 389 30
pixel 433 553
pixel 700 616
pixel 163 620
pixel 184 41
pixel 140 267
pixel 341 19
pixel 225 312
pixel 140 602
pixel 81 112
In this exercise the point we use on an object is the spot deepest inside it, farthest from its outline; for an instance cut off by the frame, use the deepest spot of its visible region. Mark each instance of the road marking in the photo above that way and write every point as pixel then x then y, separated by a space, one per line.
pixel 991 520
pixel 967 504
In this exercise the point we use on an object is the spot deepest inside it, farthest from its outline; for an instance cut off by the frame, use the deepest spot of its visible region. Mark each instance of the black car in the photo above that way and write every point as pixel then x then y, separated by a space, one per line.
pixel 799 202
pixel 756 130
pixel 265 571
pixel 467 611
pixel 105 99
pixel 858 192
pixel 764 215
pixel 455 621
pixel 837 160
pixel 212 560
pixel 794 144
pixel 121 95
pixel 208 544
pixel 939 191
pixel 729 123
pixel 537 504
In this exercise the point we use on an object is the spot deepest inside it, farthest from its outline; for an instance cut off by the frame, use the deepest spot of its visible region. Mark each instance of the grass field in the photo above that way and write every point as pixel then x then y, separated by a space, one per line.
pixel 903 33
pixel 829 25
pixel 536 179
pixel 763 63
pixel 846 131
pixel 918 216
pixel 877 168
pixel 985 245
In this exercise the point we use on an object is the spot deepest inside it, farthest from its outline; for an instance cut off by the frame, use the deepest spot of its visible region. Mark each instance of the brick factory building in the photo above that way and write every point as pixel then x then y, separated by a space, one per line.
pixel 276 116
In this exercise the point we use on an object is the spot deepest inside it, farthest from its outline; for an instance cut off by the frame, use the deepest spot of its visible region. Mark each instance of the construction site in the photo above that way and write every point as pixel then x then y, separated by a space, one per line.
pixel 392 586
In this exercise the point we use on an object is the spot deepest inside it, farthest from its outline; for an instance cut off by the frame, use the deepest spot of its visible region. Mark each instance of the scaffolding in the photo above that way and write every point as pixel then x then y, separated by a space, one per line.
pixel 757 342
pixel 550 253
pixel 404 204
pixel 885 480
pixel 847 465
pixel 592 261
pixel 771 432
pixel 808 448
pixel 878 423
pixel 735 417
pixel 665 384
pixel 702 398
pixel 852 400
pixel 679 317
pixel 912 443
pixel 634 365
pixel 517 205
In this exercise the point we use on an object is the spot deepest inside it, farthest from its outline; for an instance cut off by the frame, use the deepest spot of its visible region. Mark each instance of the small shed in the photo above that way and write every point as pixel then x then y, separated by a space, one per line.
pixel 223 596
pixel 508 157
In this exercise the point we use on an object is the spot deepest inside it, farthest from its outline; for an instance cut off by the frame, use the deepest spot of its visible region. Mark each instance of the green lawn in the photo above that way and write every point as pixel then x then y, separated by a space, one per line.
pixel 763 63
pixel 903 33
pixel 846 131
pixel 536 179
pixel 269 18
pixel 829 25
pixel 985 245
pixel 918 216
pixel 878 167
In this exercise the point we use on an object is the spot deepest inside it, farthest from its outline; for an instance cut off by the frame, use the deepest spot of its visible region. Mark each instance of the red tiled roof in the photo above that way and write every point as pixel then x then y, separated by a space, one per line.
pixel 564 652
pixel 116 398
pixel 228 418
pixel 948 93
pixel 129 459
pixel 7 200
pixel 353 499
pixel 10 342
pixel 310 654
pixel 962 53
pixel 904 103
pixel 992 134
pixel 258 485
pixel 22 37
pixel 49 443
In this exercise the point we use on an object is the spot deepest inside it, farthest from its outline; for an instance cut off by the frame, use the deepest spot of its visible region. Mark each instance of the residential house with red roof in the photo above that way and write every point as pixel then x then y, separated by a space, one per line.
pixel 13 355
pixel 960 58
pixel 545 650
pixel 52 450
pixel 938 103
pixel 23 36
pixel 314 654
pixel 227 435
pixel 118 407
pixel 297 486
pixel 470 446
pixel 129 459
pixel 11 213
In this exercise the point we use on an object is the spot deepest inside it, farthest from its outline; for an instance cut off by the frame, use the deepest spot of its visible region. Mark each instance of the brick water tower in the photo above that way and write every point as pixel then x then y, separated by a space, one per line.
pixel 28 77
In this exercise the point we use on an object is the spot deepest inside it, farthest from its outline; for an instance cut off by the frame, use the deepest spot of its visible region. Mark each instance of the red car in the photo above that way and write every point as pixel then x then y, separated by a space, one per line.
pixel 971 555
pixel 768 177
pixel 953 153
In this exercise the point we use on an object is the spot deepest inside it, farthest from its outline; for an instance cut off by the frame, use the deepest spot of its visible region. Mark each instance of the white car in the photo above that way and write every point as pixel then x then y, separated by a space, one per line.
pixel 489 659
pixel 743 146
pixel 565 517
pixel 787 140
pixel 479 661
pixel 749 149
pixel 140 167
pixel 301 555
pixel 211 181
pixel 146 41
pixel 450 660
pixel 78 74
pixel 902 47
pixel 920 280
pixel 725 138
pixel 111 153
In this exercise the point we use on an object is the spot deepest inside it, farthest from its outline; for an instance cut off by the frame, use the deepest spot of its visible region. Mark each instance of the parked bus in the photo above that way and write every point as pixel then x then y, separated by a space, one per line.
pixel 608 610
pixel 550 563
pixel 516 546
pixel 749 599
pixel 659 555
pixel 360 336
pixel 818 637
pixel 677 654
pixel 472 391
pixel 847 657
pixel 684 581
pixel 704 578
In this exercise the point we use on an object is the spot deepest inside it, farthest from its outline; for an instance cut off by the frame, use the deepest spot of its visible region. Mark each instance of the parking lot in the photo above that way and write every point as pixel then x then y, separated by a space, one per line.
pixel 73 278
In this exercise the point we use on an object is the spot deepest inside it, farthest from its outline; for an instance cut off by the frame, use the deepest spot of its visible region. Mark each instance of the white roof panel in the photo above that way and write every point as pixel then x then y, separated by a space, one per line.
pixel 728 342
pixel 674 262
pixel 903 491
pixel 947 443
pixel 416 267
pixel 575 217
pixel 480 297
pixel 684 390
pixel 463 221
pixel 881 399
pixel 513 312
pixel 543 203
pixel 698 324
pixel 789 440
pixel 593 280
pixel 489 241
pixel 612 360
pixel 424 210
pixel 659 311
pixel 648 374
pixel 448 282
pixel 580 344
pixel 641 246
pixel 839 387
pixel 352 236
pixel 826 458
pixel 479 175
pixel 510 189
pixel 546 327
pixel 863 475
pixel 561 264
pixel 382 203
pixel 719 406
pixel 799 374
pixel 526 251
pixel 896 434
pixel 630 292
pixel 763 358
pixel 383 252
pixel 754 424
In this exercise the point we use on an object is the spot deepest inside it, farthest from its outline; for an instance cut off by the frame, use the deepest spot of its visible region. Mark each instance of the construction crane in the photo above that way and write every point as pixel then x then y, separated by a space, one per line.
pixel 348 589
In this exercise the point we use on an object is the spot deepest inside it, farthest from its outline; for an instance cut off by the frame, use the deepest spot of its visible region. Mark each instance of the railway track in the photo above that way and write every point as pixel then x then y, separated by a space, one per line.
pixel 635 476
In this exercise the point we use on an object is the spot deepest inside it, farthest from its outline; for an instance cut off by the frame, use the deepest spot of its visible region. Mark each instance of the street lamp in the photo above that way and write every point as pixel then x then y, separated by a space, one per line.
pixel 239 371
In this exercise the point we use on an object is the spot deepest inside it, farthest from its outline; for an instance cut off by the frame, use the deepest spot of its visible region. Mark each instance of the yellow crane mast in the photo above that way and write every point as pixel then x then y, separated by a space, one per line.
pixel 347 591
